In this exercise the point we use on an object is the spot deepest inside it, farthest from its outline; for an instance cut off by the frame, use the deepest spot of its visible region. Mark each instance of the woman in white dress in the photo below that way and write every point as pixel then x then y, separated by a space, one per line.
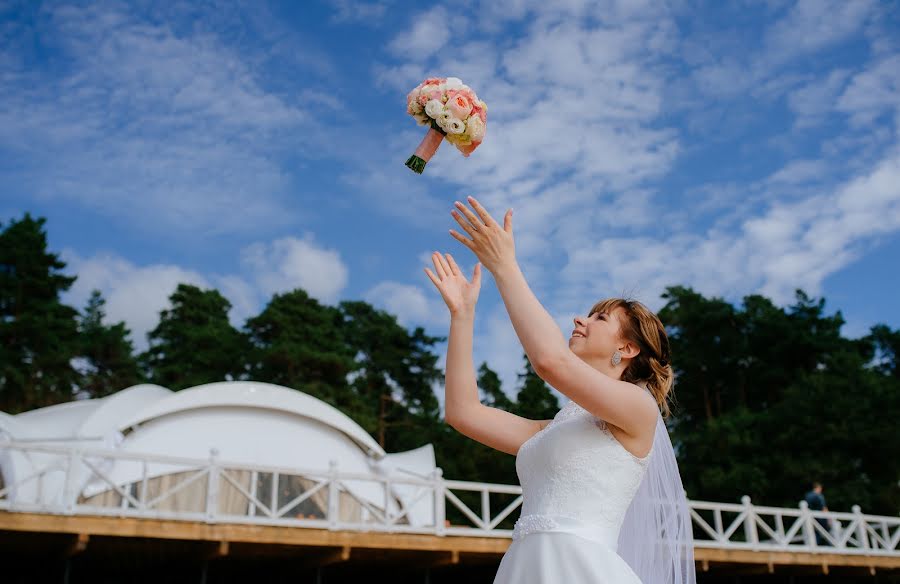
pixel 602 497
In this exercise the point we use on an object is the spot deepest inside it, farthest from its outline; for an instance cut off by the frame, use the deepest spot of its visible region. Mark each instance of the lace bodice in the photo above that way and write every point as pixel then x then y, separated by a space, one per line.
pixel 576 476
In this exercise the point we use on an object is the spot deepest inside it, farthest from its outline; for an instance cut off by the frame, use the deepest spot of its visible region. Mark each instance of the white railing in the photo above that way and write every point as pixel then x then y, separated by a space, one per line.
pixel 76 481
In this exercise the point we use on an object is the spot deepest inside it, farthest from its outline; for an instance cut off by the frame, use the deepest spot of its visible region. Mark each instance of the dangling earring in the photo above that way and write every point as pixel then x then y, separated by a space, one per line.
pixel 616 358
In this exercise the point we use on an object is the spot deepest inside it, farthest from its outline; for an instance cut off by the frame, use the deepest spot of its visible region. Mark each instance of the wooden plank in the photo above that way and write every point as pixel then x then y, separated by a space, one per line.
pixel 256 534
pixel 821 561
pixel 223 537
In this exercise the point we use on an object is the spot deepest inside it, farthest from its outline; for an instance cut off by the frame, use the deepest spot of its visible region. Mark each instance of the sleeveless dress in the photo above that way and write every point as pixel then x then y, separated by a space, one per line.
pixel 577 483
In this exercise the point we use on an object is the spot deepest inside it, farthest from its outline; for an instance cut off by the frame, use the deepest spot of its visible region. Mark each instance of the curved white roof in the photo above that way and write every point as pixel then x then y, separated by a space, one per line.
pixel 58 421
pixel 257 395
pixel 118 406
pixel 13 427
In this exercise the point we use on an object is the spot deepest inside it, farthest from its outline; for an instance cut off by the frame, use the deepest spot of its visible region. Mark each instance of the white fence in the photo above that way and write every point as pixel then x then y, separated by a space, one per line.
pixel 77 481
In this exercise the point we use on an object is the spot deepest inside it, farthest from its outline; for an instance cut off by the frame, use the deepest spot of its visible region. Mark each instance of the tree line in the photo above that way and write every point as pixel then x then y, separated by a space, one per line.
pixel 767 398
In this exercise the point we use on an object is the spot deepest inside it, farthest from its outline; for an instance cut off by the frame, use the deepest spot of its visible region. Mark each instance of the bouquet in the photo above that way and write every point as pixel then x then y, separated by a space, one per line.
pixel 452 110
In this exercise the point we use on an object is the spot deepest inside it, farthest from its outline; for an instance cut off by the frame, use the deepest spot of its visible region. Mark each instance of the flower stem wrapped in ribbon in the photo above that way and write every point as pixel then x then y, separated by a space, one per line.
pixel 452 110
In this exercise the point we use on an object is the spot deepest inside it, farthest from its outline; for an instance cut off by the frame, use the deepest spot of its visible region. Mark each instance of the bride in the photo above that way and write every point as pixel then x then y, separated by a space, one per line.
pixel 602 496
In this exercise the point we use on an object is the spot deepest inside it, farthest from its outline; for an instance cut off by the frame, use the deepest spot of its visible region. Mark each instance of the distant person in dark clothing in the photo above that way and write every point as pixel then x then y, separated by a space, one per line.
pixel 816 501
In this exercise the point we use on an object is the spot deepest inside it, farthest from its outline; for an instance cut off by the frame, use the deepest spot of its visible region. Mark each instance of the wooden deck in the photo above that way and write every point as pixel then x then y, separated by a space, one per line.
pixel 61 536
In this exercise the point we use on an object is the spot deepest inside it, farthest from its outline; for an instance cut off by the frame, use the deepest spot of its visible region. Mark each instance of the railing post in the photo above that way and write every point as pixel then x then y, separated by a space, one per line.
pixel 333 507
pixel 809 533
pixel 212 484
pixel 439 512
pixel 387 499
pixel 861 533
pixel 69 494
pixel 750 522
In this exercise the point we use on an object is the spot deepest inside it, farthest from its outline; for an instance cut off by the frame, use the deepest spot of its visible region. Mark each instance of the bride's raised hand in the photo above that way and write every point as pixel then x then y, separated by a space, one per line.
pixel 460 294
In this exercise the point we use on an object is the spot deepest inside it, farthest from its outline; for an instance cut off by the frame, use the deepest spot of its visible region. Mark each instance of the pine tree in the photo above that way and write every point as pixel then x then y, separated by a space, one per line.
pixel 299 343
pixel 394 376
pixel 38 334
pixel 194 343
pixel 492 390
pixel 534 400
pixel 110 363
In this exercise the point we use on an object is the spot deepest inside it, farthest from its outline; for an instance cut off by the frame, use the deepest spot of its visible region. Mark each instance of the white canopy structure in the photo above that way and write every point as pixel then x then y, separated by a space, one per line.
pixel 270 442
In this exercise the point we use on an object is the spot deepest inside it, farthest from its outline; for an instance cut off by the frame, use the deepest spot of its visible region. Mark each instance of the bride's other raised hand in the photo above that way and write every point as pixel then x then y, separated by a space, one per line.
pixel 458 293
pixel 493 244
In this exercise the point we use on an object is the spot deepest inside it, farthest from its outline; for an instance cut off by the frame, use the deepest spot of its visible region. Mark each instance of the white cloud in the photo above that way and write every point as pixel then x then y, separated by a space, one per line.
pixel 791 245
pixel 817 98
pixel 134 294
pixel 429 33
pixel 290 263
pixel 800 171
pixel 811 25
pixel 873 92
pixel 412 305
pixel 169 132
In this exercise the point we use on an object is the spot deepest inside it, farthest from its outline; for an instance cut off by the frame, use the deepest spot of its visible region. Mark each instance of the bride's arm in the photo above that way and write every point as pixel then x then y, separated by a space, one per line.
pixel 493 427
pixel 612 400
pixel 463 410
pixel 617 402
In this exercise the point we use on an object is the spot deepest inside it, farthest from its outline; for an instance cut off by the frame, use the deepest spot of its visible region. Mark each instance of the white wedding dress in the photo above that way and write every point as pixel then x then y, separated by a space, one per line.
pixel 577 483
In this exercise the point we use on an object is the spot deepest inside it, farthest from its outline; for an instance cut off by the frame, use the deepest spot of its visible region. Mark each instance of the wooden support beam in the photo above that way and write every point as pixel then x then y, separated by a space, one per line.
pixel 77 545
pixel 327 557
pixel 218 549
pixel 450 558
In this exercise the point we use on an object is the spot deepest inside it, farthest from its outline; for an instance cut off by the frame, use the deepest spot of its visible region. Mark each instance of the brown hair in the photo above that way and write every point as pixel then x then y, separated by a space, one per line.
pixel 653 364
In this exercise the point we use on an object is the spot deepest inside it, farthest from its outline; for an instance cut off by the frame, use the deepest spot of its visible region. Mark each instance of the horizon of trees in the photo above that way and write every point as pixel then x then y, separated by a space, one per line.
pixel 767 398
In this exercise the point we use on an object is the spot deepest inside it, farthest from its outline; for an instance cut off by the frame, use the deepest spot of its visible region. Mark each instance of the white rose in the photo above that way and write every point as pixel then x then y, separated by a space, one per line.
pixel 434 108
pixel 453 83
pixel 456 126
pixel 475 128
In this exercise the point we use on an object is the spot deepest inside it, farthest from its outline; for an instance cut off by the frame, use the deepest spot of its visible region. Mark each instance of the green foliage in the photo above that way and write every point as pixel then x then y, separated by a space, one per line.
pixel 298 342
pixel 38 334
pixel 194 343
pixel 111 365
pixel 767 398
pixel 394 374
pixel 491 389
pixel 534 399
pixel 770 399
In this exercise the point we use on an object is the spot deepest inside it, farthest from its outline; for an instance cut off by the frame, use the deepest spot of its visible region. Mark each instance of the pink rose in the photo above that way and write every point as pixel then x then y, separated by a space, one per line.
pixel 460 106
pixel 470 95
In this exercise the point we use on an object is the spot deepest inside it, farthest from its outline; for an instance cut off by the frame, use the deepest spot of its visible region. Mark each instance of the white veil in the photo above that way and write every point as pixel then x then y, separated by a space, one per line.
pixel 656 538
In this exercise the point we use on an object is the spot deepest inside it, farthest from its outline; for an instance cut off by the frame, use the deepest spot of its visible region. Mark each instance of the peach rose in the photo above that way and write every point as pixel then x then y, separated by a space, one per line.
pixel 460 106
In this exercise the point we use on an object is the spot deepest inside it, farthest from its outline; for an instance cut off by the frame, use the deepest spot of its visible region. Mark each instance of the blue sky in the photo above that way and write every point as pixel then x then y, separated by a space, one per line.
pixel 735 147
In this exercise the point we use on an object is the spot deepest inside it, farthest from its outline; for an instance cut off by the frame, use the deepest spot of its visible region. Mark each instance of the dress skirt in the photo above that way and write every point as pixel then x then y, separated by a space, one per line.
pixel 562 558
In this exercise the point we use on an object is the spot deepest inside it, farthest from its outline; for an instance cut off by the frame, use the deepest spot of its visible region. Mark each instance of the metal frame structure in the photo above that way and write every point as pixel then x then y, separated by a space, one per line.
pixel 721 526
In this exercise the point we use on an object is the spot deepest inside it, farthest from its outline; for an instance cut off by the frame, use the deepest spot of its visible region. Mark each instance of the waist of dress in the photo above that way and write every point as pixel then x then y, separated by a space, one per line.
pixel 563 524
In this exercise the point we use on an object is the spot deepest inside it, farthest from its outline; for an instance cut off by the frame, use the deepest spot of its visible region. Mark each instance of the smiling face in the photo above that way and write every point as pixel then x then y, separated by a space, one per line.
pixel 597 336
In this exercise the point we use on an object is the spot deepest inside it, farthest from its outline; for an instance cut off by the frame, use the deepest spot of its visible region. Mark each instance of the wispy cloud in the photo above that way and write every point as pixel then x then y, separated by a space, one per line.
pixel 583 139
pixel 150 125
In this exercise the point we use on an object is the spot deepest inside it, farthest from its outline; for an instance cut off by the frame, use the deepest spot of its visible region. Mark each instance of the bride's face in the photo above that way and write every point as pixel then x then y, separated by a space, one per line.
pixel 596 337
